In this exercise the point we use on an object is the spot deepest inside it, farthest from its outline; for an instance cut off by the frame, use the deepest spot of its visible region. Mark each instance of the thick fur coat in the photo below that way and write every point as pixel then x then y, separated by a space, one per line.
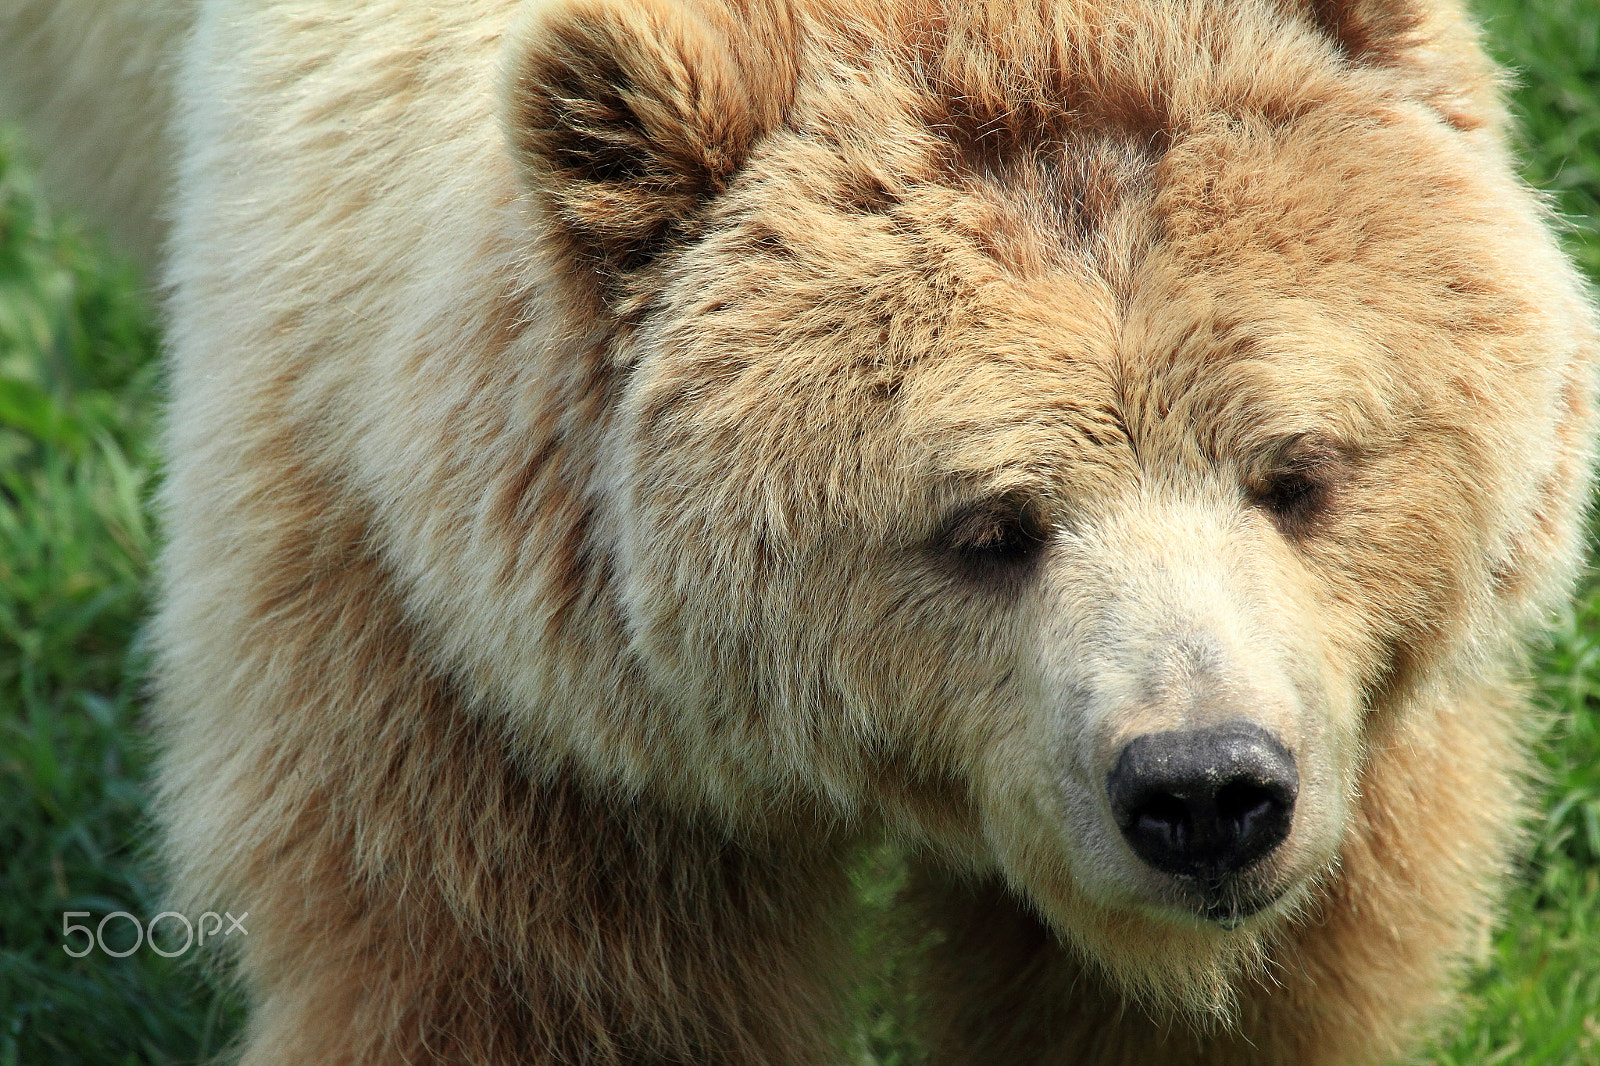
pixel 627 455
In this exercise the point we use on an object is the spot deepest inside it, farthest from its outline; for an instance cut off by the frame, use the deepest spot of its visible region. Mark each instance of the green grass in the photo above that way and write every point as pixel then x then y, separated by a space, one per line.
pixel 77 395
pixel 1554 45
pixel 77 392
pixel 1538 1000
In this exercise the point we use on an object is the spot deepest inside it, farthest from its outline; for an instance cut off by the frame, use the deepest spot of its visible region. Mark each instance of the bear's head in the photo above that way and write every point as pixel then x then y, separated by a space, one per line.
pixel 1073 436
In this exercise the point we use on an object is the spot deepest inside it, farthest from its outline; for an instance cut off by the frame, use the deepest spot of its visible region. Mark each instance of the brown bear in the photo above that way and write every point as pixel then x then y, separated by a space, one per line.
pixel 628 456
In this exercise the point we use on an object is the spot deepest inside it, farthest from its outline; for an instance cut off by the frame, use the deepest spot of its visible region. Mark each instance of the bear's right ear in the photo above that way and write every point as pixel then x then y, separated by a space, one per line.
pixel 628 116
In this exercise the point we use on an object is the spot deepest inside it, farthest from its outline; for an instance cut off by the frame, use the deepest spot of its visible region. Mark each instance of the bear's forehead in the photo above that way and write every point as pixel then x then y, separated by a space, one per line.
pixel 1094 264
pixel 1058 237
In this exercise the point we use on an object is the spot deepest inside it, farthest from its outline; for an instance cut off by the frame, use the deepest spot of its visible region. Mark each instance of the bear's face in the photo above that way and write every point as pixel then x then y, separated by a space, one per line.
pixel 962 531
pixel 1079 479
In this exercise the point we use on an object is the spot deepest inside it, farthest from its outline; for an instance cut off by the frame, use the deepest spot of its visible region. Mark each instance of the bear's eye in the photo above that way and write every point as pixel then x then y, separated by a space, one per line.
pixel 1293 498
pixel 994 537
pixel 1298 489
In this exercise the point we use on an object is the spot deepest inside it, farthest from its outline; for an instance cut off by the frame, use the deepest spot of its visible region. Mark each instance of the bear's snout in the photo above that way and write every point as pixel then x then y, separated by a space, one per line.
pixel 1204 804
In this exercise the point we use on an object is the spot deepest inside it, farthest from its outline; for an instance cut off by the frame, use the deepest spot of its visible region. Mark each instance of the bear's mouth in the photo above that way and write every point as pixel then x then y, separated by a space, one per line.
pixel 1228 901
pixel 1231 913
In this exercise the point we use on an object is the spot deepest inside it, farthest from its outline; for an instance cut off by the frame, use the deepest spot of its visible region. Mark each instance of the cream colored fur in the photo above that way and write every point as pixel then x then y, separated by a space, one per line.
pixel 587 419
pixel 91 82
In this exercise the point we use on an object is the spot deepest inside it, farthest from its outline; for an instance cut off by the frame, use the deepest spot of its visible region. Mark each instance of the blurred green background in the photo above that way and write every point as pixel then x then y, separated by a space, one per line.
pixel 78 393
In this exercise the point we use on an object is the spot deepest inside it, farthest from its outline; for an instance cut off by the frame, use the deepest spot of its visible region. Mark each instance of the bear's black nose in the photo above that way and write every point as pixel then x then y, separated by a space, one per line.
pixel 1204 803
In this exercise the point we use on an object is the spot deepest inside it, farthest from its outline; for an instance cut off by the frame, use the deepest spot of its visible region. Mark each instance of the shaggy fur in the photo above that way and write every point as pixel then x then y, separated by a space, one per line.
pixel 626 454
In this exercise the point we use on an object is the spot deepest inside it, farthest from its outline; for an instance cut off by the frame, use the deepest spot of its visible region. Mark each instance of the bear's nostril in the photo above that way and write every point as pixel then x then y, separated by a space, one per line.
pixel 1204 803
pixel 1165 818
pixel 1246 808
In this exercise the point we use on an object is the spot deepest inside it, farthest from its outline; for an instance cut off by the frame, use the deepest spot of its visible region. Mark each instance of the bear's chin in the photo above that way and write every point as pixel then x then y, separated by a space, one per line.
pixel 1188 972
pixel 1183 967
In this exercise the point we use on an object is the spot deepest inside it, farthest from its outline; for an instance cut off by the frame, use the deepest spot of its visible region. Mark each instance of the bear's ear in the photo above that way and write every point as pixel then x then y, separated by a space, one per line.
pixel 628 116
pixel 1433 43
pixel 1375 31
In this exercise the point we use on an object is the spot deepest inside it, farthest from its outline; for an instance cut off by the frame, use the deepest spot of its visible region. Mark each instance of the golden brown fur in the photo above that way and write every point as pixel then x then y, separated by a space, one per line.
pixel 589 418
